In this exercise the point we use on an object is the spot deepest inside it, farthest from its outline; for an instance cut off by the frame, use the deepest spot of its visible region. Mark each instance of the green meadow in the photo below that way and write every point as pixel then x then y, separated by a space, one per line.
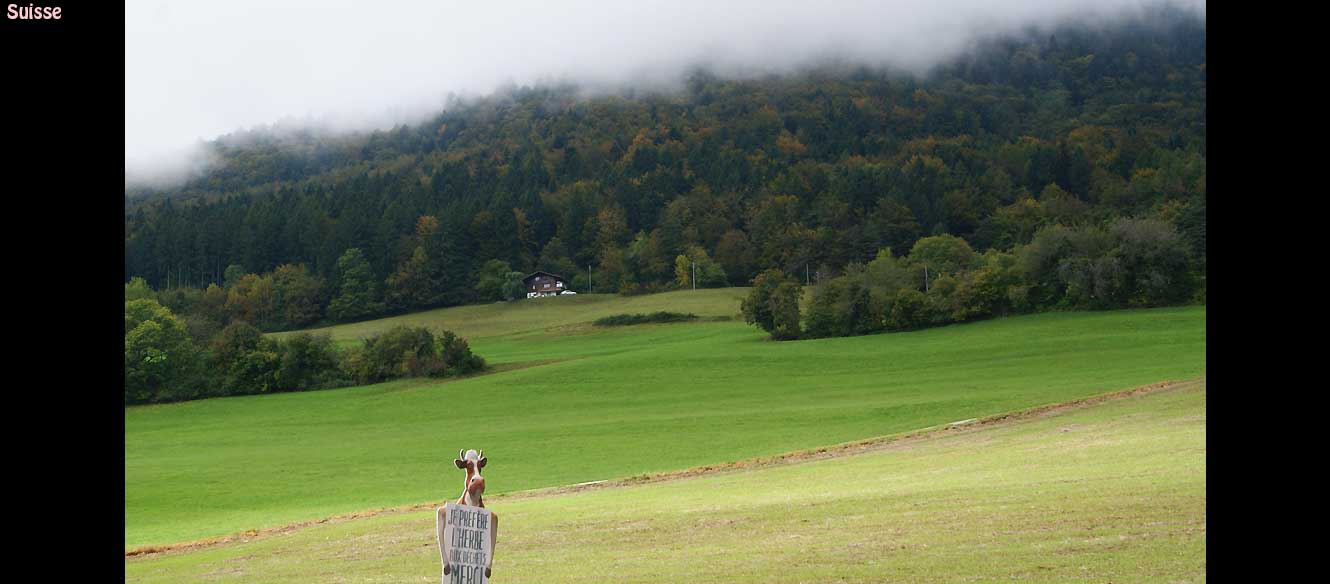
pixel 571 403
pixel 555 314
pixel 1113 492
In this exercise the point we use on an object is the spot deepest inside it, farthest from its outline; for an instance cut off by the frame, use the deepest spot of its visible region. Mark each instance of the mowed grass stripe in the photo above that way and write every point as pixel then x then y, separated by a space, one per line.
pixel 1115 491
pixel 654 399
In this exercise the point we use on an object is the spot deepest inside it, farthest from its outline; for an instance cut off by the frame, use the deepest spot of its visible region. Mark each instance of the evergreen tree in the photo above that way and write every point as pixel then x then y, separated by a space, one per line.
pixel 357 295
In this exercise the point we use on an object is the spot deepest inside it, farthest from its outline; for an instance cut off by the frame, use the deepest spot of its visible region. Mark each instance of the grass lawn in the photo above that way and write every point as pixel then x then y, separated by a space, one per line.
pixel 614 403
pixel 1114 492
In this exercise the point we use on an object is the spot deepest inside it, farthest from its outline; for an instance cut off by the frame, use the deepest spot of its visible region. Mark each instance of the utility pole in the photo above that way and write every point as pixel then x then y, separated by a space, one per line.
pixel 806 281
pixel 694 264
pixel 925 277
pixel 589 282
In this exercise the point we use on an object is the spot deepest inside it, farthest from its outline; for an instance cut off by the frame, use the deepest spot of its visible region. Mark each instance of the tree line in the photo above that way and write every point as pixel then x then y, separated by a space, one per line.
pixel 1125 263
pixel 169 358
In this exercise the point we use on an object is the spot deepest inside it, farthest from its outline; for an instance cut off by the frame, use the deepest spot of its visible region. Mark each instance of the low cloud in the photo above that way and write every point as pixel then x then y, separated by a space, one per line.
pixel 193 73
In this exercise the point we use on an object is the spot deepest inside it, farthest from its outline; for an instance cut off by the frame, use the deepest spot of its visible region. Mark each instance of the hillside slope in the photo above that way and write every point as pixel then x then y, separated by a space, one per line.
pixel 614 403
pixel 1111 492
pixel 544 315
pixel 819 169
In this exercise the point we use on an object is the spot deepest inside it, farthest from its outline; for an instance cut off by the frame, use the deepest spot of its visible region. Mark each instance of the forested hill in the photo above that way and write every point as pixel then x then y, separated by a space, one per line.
pixel 1073 126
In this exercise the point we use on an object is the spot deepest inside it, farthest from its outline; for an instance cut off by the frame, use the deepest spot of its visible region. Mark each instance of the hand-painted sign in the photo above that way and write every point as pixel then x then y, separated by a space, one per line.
pixel 464 543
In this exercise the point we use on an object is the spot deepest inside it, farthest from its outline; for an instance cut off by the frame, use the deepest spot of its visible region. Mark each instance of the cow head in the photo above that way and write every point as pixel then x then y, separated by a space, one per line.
pixel 473 485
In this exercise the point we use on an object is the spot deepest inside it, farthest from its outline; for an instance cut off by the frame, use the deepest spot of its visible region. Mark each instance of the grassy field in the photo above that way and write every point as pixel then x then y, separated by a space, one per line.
pixel 1114 492
pixel 546 315
pixel 611 403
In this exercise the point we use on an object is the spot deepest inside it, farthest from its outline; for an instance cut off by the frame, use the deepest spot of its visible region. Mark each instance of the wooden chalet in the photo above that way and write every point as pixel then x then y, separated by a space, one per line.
pixel 539 284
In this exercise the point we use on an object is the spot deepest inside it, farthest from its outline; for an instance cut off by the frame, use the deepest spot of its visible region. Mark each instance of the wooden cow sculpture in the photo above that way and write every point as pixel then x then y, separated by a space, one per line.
pixel 473 488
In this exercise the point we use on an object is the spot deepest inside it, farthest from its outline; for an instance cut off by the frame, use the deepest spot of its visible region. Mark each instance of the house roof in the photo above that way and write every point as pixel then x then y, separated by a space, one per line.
pixel 537 273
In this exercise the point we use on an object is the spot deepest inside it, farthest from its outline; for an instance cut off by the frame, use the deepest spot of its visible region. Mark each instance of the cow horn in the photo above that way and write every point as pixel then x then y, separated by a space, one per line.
pixel 461 454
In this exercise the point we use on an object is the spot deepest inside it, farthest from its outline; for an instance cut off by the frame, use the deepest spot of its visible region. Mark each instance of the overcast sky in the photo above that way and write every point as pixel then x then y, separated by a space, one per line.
pixel 196 70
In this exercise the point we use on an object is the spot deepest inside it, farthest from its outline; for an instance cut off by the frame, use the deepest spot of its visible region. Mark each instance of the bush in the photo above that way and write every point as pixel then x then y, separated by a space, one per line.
pixel 405 351
pixel 457 356
pixel 756 307
pixel 1133 262
pixel 785 311
pixel 844 306
pixel 824 315
pixel 399 351
pixel 631 319
pixel 773 305
pixel 161 363
pixel 987 291
pixel 254 372
pixel 246 360
pixel 910 311
pixel 306 362
pixel 1154 262
pixel 354 364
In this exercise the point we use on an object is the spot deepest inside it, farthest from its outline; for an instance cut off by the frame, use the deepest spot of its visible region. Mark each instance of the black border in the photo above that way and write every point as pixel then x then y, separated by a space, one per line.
pixel 63 131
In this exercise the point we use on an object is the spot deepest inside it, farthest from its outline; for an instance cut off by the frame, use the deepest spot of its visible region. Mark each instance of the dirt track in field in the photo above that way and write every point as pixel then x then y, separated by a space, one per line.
pixel 819 453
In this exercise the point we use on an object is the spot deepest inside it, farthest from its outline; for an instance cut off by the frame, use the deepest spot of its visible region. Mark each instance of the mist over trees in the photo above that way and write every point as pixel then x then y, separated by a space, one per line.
pixel 1061 169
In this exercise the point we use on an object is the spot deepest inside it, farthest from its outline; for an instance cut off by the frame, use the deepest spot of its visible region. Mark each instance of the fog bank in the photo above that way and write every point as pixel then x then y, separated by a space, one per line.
pixel 193 73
